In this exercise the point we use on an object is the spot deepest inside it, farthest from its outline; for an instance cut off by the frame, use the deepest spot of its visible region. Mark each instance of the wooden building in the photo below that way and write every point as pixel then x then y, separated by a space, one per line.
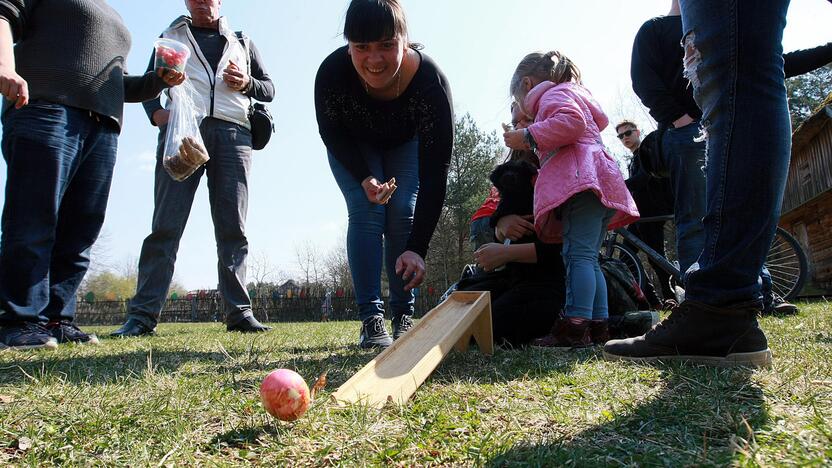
pixel 807 206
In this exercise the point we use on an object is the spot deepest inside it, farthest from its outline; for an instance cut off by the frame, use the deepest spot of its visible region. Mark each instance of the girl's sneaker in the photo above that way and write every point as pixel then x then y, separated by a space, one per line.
pixel 567 332
pixel 26 335
pixel 66 332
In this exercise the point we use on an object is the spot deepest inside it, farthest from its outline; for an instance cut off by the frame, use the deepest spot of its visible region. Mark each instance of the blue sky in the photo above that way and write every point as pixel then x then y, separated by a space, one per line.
pixel 477 43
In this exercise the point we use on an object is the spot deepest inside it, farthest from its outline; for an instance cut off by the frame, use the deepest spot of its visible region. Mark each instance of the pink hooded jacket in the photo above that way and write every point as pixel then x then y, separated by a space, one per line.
pixel 567 129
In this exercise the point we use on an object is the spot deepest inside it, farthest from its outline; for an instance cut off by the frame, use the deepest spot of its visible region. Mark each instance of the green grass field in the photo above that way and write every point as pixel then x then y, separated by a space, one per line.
pixel 189 396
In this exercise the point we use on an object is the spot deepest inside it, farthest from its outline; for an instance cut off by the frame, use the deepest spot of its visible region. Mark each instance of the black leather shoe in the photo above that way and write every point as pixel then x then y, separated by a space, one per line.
pixel 248 325
pixel 133 328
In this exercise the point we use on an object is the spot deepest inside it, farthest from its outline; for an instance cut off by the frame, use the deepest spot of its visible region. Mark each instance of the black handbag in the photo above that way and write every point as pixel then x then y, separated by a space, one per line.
pixel 262 125
pixel 259 117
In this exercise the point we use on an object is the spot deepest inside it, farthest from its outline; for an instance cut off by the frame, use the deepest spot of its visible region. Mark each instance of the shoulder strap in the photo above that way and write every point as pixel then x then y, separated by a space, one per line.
pixel 244 42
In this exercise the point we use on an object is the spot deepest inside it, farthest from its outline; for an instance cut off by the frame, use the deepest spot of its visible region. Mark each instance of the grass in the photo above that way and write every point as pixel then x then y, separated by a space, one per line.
pixel 190 397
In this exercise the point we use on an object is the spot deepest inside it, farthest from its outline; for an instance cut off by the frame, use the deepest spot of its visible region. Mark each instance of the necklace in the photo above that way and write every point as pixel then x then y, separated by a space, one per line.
pixel 398 85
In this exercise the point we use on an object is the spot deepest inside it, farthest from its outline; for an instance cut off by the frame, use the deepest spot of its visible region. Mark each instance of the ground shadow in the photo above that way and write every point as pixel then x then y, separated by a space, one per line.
pixel 702 416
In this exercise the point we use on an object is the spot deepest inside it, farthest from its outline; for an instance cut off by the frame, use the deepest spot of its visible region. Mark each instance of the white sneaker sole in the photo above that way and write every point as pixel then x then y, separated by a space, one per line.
pixel 52 343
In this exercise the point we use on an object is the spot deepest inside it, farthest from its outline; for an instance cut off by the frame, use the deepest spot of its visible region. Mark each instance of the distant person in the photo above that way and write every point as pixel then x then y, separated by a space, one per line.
pixel 63 75
pixel 579 193
pixel 228 72
pixel 653 197
pixel 746 123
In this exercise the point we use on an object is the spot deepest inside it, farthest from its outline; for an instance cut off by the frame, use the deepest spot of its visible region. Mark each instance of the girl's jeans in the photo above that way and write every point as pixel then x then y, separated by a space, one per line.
pixel 734 59
pixel 380 232
pixel 585 222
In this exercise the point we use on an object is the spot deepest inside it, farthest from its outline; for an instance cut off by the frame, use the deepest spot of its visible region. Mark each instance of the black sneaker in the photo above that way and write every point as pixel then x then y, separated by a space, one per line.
pixel 779 306
pixel 401 325
pixel 66 332
pixel 374 334
pixel 26 335
pixel 700 333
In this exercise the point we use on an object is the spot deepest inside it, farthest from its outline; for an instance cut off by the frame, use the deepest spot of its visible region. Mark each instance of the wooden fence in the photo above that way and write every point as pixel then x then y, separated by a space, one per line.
pixel 296 309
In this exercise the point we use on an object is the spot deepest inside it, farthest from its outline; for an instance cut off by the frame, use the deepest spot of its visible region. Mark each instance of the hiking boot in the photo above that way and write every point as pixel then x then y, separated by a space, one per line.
pixel 66 332
pixel 632 324
pixel 374 334
pixel 401 325
pixel 700 333
pixel 567 332
pixel 26 335
pixel 599 332
pixel 133 328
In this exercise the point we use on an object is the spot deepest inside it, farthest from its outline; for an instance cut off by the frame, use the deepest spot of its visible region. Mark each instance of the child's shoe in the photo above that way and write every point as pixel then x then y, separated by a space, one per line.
pixel 567 332
pixel 599 332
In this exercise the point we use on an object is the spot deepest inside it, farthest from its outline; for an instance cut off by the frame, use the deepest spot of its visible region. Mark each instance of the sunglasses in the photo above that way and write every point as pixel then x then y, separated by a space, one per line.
pixel 625 134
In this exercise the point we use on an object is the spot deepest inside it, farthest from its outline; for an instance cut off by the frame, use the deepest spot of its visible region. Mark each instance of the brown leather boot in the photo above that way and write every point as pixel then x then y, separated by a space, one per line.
pixel 599 332
pixel 567 332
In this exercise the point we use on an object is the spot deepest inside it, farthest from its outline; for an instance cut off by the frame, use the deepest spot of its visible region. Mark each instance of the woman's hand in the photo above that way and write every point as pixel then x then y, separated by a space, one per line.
pixel 235 78
pixel 516 140
pixel 411 267
pixel 378 194
pixel 514 227
pixel 492 256
pixel 14 87
pixel 170 76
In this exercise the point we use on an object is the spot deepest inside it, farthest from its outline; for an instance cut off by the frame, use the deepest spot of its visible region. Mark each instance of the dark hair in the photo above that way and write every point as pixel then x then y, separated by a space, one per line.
pixel 626 123
pixel 374 20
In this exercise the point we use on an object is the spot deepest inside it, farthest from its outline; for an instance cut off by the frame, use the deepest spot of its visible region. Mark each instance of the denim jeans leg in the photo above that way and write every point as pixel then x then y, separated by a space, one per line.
pixel 686 160
pixel 402 163
pixel 43 145
pixel 734 59
pixel 583 223
pixel 230 148
pixel 80 218
pixel 600 307
pixel 172 202
pixel 365 229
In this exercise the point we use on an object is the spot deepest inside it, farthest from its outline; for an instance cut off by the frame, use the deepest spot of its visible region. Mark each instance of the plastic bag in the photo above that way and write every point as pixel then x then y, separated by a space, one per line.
pixel 184 150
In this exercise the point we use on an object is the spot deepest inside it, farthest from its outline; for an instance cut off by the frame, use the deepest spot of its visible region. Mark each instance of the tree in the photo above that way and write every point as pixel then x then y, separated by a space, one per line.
pixel 308 258
pixel 807 92
pixel 474 155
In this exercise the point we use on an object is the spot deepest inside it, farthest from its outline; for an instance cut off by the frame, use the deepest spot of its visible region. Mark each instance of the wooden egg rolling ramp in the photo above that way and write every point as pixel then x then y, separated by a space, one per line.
pixel 396 373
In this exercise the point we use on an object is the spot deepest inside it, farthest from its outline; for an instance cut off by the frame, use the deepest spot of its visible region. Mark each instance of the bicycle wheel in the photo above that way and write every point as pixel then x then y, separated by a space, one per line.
pixel 623 253
pixel 788 265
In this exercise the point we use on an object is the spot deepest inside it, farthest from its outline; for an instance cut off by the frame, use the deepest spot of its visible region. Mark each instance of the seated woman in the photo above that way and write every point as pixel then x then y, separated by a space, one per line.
pixel 530 283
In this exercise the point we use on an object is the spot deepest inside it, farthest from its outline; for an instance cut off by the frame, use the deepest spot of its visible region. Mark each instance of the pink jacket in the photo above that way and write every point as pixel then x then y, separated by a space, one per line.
pixel 567 129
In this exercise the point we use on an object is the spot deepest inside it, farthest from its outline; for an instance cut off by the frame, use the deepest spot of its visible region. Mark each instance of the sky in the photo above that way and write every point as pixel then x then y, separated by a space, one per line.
pixel 293 198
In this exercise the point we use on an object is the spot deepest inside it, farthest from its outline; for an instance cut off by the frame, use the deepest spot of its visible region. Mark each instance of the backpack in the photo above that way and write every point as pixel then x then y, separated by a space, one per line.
pixel 623 291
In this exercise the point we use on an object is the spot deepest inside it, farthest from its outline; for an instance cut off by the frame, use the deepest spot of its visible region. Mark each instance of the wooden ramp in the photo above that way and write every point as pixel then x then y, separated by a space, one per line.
pixel 396 373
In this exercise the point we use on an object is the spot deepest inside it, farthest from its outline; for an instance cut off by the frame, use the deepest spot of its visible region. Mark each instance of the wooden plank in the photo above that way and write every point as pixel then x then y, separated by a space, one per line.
pixel 396 373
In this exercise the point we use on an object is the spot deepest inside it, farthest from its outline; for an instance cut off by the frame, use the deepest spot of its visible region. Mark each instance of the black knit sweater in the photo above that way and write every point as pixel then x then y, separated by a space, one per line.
pixel 73 52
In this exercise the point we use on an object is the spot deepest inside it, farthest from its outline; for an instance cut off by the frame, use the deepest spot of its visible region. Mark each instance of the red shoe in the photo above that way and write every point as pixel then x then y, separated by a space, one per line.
pixel 567 332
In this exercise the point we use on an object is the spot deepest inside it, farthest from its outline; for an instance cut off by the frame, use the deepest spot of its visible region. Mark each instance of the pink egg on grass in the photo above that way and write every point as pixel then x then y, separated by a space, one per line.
pixel 285 394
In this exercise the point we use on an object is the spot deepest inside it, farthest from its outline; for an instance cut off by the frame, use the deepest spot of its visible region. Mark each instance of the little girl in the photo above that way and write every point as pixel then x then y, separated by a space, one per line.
pixel 580 192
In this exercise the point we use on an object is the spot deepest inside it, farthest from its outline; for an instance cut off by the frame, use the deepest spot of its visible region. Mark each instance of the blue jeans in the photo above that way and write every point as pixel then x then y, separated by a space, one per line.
pixel 481 232
pixel 60 164
pixel 685 158
pixel 585 222
pixel 735 65
pixel 229 146
pixel 376 231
